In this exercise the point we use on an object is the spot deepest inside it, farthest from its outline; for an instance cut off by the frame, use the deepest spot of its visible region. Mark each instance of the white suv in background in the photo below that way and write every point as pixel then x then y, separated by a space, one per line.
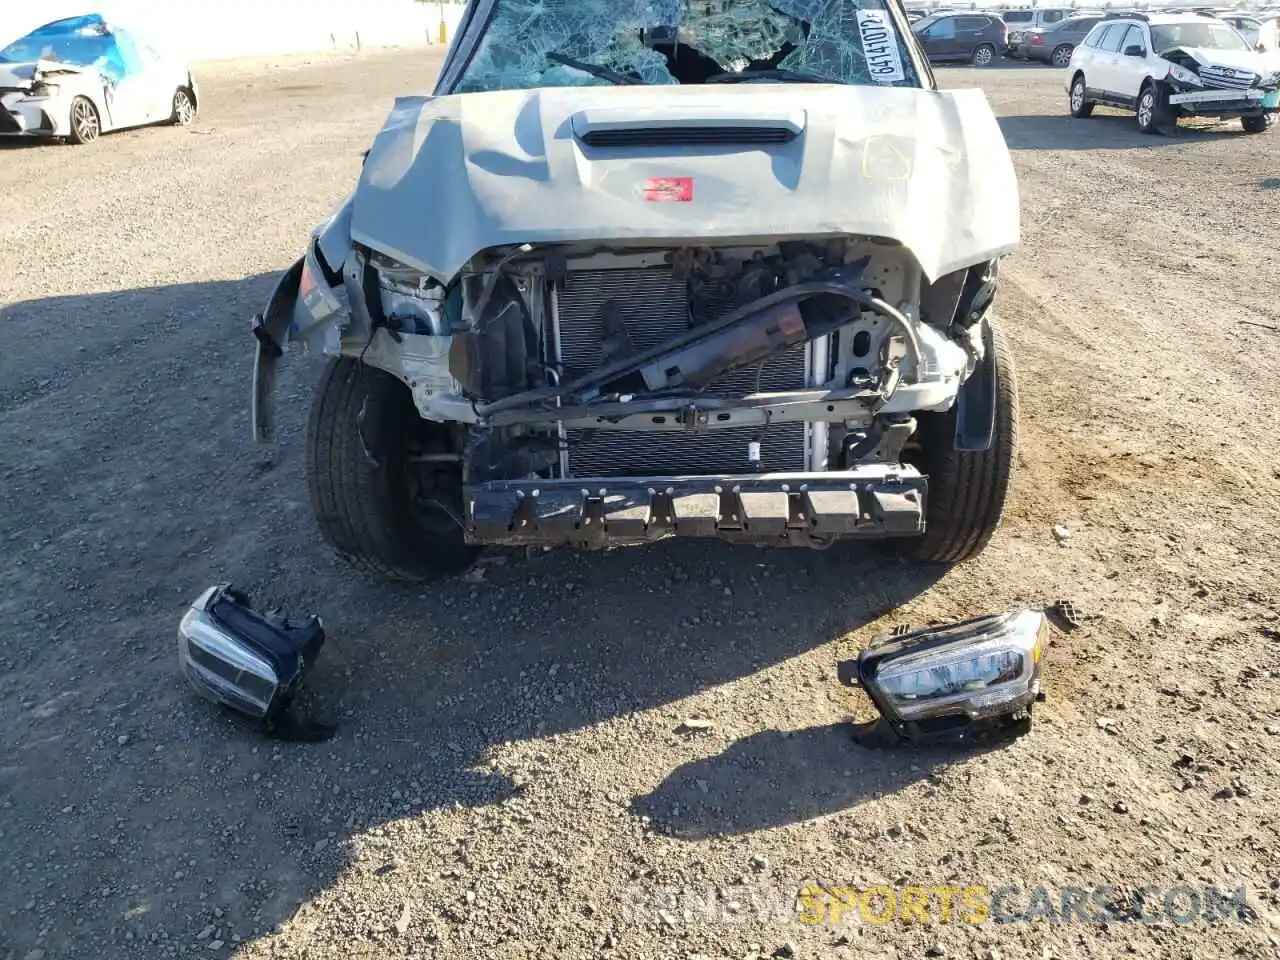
pixel 1170 65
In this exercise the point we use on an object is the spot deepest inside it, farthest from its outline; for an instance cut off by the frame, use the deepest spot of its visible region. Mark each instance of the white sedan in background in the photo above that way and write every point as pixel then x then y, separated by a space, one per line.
pixel 81 77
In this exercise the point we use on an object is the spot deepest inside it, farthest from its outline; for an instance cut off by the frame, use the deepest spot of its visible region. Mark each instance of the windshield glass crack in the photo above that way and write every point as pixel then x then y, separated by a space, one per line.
pixel 534 43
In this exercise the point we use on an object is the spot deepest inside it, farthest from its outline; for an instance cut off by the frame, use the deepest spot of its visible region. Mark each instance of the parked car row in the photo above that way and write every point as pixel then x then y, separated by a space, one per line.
pixel 1162 66
pixel 1051 35
pixel 977 38
pixel 982 37
pixel 1260 30
pixel 1053 43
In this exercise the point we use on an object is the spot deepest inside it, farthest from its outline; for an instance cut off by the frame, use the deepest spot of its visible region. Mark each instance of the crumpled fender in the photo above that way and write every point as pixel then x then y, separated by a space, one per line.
pixel 333 240
pixel 277 324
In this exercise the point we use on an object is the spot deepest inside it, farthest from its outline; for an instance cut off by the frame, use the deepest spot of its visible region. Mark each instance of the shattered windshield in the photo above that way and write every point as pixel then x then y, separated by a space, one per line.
pixel 543 43
pixel 1205 36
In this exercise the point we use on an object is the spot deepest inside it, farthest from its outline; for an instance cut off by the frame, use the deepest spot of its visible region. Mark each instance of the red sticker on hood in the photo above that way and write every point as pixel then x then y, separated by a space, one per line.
pixel 668 190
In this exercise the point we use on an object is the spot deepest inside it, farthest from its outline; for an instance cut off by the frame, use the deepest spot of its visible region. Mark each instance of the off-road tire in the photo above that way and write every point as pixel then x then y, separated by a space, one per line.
pixel 1061 56
pixel 984 54
pixel 967 490
pixel 1258 124
pixel 86 123
pixel 358 442
pixel 1080 106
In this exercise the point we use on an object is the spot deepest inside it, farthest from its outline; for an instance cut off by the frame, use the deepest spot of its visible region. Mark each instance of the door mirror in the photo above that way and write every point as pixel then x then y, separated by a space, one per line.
pixel 1134 50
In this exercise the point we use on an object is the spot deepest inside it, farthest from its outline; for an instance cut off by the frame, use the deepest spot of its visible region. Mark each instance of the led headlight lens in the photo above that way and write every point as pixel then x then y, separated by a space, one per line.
pixel 979 668
pixel 221 666
pixel 235 656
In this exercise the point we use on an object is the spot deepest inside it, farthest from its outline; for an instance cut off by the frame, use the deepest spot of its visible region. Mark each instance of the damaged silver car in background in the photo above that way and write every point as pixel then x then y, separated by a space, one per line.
pixel 664 268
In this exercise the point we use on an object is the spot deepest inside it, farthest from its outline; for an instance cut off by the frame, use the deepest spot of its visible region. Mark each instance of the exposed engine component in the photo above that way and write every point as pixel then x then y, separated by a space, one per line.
pixel 497 351
pixel 575 363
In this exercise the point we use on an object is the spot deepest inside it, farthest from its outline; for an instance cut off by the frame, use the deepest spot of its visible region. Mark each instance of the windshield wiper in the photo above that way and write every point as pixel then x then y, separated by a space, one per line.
pixel 604 73
pixel 784 76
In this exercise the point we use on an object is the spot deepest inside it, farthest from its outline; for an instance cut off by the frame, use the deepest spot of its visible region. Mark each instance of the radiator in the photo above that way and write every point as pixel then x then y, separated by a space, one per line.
pixel 653 305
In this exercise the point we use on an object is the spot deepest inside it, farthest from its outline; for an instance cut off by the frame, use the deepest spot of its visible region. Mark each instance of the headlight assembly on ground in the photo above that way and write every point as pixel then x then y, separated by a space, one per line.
pixel 951 679
pixel 251 664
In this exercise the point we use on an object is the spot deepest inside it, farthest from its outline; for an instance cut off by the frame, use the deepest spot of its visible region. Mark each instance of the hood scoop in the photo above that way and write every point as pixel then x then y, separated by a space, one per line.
pixel 693 125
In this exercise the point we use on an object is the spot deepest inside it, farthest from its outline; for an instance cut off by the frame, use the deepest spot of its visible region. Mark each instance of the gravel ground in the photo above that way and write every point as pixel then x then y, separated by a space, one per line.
pixel 511 777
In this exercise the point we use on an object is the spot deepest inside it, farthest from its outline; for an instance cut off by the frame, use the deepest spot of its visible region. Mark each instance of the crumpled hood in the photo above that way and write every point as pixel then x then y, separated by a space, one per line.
pixel 21 75
pixel 1235 59
pixel 450 176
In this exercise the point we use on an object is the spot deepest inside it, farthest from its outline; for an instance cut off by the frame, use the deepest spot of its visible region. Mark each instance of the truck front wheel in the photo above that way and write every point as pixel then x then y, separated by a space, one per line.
pixel 386 486
pixel 967 489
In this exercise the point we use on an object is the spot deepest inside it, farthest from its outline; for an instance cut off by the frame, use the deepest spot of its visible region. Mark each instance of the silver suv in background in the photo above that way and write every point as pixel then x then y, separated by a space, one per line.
pixel 1020 21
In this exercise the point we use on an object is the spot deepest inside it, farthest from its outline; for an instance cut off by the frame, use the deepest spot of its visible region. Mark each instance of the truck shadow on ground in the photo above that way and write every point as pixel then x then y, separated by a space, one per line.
pixel 130 484
pixel 1104 131
pixel 776 777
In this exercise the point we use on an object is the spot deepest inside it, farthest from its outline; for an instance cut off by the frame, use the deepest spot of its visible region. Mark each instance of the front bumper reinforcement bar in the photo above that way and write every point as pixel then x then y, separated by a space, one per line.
pixel 779 509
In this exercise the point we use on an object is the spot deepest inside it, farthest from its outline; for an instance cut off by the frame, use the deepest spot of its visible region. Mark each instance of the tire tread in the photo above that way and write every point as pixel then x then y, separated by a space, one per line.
pixel 968 490
pixel 359 417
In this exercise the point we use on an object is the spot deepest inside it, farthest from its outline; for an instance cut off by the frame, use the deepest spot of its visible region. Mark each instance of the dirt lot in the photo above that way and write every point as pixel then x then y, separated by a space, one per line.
pixel 509 779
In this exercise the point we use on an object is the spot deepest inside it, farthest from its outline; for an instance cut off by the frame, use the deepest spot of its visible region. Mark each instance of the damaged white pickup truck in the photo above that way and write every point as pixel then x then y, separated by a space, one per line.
pixel 663 268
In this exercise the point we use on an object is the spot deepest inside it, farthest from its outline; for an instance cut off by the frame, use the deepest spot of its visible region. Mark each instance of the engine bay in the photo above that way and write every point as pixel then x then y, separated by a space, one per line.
pixel 565 361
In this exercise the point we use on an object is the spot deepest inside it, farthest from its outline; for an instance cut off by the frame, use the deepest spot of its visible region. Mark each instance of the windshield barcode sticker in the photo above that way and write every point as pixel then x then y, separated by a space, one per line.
pixel 880 46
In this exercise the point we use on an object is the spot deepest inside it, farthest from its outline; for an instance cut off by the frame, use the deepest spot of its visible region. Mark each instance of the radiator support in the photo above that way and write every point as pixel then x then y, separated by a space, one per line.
pixel 652 304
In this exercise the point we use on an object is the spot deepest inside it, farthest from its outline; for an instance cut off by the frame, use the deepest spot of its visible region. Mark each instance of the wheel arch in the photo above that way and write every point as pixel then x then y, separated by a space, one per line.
pixel 99 101
pixel 192 89
pixel 968 490
pixel 95 100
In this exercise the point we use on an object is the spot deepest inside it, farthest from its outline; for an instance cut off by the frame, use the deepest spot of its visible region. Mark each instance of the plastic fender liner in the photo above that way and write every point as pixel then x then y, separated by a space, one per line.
pixel 976 401
pixel 271 330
